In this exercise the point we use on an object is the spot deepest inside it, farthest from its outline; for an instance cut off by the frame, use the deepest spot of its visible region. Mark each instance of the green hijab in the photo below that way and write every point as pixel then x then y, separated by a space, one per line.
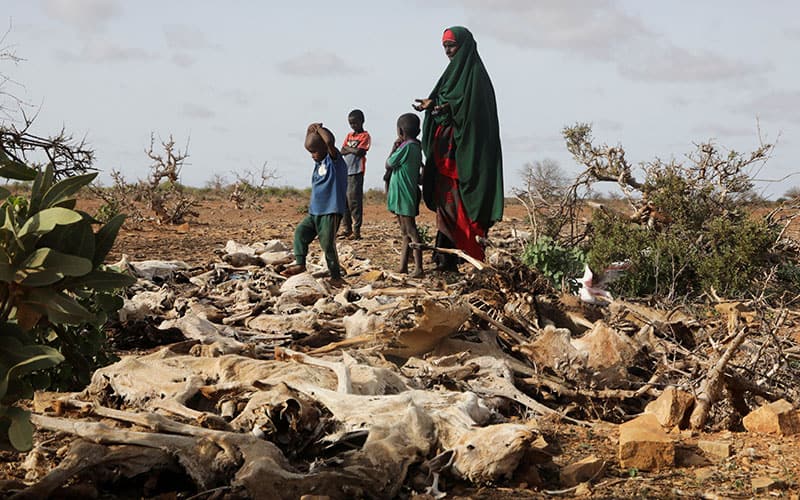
pixel 466 87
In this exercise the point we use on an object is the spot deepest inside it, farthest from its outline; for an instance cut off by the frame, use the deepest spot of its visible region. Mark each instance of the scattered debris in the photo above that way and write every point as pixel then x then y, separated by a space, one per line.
pixel 267 387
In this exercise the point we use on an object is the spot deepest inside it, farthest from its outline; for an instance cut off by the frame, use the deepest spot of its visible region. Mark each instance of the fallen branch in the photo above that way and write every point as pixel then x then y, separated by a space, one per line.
pixel 480 266
pixel 504 331
pixel 563 390
pixel 712 386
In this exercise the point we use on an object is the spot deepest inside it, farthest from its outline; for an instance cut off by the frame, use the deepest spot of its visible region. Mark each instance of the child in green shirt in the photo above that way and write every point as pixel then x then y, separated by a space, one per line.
pixel 402 187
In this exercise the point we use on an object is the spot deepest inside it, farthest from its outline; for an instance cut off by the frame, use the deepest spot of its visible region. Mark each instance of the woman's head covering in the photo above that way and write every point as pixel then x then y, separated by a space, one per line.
pixel 448 36
pixel 466 87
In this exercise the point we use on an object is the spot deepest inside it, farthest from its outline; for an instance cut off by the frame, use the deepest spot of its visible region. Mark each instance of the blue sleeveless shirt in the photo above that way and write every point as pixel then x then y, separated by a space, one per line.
pixel 329 187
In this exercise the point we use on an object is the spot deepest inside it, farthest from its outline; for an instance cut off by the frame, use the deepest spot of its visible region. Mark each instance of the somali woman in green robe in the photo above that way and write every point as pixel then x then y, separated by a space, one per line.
pixel 463 174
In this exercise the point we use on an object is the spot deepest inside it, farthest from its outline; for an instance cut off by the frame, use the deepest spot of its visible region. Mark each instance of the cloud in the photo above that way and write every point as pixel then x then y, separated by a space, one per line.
pixel 779 105
pixel 530 144
pixel 591 29
pixel 793 32
pixel 182 59
pixel 104 51
pixel 607 125
pixel 85 15
pixel 317 63
pixel 192 110
pixel 186 38
pixel 721 131
pixel 601 31
pixel 237 96
pixel 676 64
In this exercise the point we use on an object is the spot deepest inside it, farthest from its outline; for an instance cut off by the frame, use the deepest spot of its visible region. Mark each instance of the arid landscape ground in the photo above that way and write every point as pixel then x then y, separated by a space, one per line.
pixel 754 458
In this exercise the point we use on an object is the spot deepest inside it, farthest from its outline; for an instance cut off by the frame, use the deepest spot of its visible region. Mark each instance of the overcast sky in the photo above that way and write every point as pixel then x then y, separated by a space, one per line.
pixel 241 80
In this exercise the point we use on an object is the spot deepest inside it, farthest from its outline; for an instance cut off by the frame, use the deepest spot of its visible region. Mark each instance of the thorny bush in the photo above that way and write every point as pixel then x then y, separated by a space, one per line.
pixel 690 230
pixel 160 198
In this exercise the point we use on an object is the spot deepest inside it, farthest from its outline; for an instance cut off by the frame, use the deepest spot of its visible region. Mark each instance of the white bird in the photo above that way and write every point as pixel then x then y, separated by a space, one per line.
pixel 594 292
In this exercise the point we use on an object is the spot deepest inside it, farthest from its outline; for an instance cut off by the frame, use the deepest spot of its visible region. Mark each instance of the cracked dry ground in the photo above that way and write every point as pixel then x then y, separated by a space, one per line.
pixel 753 457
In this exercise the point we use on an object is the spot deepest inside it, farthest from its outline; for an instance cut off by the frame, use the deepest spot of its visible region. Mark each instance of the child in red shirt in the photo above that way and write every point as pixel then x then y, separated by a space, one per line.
pixel 354 151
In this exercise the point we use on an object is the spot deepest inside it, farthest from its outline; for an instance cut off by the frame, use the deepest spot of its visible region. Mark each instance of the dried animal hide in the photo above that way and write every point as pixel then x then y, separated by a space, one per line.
pixel 219 337
pixel 146 304
pixel 437 321
pixel 297 292
pixel 270 397
pixel 152 270
pixel 303 322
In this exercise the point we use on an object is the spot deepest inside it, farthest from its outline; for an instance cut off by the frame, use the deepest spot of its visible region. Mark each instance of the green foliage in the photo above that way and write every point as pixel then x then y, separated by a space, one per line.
pixel 557 263
pixel 735 253
pixel 425 234
pixel 696 252
pixel 108 211
pixel 54 289
pixel 690 231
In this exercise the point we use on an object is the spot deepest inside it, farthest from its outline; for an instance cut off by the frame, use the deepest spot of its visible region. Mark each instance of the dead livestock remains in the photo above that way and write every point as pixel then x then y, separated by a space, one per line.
pixel 487 383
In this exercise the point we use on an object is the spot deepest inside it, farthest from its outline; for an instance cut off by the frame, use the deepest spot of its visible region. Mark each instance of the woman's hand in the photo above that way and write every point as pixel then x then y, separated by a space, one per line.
pixel 422 104
pixel 441 109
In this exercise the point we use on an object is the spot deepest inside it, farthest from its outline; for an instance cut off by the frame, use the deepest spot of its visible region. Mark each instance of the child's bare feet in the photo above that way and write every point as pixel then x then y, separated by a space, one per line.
pixel 402 270
pixel 418 273
pixel 292 270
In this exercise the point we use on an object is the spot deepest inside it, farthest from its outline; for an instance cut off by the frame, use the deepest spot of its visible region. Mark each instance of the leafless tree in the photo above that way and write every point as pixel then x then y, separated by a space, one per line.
pixel 8 54
pixel 69 156
pixel 546 195
pixel 249 187
pixel 161 194
pixel 163 191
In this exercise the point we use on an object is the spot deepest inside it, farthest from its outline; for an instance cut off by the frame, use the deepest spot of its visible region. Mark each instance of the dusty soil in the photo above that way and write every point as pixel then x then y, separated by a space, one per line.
pixel 753 456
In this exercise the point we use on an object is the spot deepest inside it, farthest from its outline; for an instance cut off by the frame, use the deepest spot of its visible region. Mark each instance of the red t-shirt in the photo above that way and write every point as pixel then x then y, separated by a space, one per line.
pixel 361 140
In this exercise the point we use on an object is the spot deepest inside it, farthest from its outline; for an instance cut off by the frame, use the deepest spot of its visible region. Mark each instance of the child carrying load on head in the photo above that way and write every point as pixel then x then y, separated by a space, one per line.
pixel 328 191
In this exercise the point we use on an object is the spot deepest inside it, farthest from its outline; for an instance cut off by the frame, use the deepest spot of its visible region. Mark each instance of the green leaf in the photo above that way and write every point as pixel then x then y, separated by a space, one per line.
pixel 20 432
pixel 13 169
pixel 66 264
pixel 74 239
pixel 109 302
pixel 104 239
pixel 47 219
pixel 38 188
pixel 57 306
pixel 47 266
pixel 8 222
pixel 102 280
pixel 17 359
pixel 70 204
pixel 66 188
pixel 4 193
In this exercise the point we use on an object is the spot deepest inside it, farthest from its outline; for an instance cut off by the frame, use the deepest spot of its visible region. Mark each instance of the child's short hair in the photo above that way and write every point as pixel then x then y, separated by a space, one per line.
pixel 358 114
pixel 408 123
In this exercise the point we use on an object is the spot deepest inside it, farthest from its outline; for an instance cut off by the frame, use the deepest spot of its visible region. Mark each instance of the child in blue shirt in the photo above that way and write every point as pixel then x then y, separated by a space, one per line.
pixel 328 203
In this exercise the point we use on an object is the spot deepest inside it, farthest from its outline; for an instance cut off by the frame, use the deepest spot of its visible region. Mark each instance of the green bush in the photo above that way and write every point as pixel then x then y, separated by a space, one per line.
pixel 426 234
pixel 725 252
pixel 555 262
pixel 108 211
pixel 53 286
